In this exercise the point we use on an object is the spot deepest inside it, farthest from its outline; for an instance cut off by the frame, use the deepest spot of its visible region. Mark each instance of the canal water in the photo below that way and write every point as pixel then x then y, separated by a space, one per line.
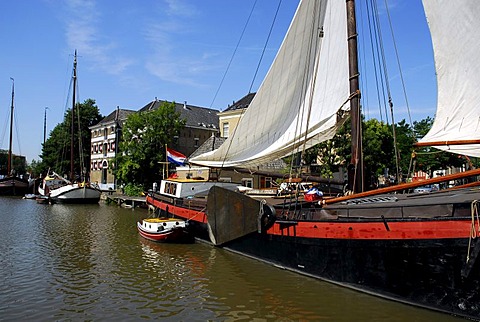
pixel 87 262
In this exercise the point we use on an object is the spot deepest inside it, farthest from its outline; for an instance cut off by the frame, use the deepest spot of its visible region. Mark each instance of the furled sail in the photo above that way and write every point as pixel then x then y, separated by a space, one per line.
pixel 454 27
pixel 302 98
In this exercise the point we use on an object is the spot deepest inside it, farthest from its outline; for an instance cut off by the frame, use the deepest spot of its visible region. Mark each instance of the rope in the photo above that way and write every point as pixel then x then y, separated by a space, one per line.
pixel 198 212
pixel 474 233
pixel 262 203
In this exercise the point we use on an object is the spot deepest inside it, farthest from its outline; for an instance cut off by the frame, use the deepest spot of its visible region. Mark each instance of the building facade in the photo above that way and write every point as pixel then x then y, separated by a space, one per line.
pixel 228 121
pixel 201 124
pixel 104 146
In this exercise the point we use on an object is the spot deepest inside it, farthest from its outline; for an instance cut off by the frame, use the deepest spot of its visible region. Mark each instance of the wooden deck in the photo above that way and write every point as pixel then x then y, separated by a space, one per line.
pixel 125 201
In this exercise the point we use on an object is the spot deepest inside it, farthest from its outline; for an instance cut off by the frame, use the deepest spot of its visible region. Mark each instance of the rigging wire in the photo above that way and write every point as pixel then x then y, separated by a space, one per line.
pixel 255 74
pixel 5 127
pixel 314 40
pixel 390 102
pixel 233 54
pixel 265 46
pixel 399 65
pixel 15 124
pixel 376 69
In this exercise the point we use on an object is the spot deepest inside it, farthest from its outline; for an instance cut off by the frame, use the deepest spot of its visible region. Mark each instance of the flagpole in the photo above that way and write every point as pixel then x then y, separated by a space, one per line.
pixel 166 160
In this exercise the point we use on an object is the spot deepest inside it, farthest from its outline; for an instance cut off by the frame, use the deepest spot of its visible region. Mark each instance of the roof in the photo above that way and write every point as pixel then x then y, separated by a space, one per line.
pixel 244 102
pixel 210 144
pixel 110 118
pixel 194 116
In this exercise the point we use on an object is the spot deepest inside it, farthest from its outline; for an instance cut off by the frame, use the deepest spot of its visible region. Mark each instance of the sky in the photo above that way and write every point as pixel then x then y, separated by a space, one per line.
pixel 131 52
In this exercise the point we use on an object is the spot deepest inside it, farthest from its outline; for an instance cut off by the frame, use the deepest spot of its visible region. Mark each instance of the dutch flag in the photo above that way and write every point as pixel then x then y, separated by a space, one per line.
pixel 176 157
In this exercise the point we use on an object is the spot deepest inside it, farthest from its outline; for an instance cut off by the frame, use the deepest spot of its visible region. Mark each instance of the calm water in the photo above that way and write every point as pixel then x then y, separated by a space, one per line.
pixel 76 262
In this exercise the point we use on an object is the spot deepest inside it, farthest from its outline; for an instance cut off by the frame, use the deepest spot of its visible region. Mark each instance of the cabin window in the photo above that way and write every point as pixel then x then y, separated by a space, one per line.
pixel 225 179
pixel 247 182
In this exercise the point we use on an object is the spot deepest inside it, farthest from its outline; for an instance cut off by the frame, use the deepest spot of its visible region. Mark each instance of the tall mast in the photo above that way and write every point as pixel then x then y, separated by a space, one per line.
pixel 45 126
pixel 72 175
pixel 355 169
pixel 9 161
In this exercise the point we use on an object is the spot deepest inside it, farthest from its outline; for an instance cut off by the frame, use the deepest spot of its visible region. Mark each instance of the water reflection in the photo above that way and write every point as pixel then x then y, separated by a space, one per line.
pixel 75 262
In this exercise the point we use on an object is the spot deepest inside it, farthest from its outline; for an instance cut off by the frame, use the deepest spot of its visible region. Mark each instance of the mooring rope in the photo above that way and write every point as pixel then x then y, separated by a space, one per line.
pixel 474 233
pixel 198 212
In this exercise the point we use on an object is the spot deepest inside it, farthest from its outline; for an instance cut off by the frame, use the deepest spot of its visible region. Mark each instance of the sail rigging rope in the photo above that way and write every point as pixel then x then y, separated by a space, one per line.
pixel 474 232
pixel 301 108
pixel 258 66
pixel 233 54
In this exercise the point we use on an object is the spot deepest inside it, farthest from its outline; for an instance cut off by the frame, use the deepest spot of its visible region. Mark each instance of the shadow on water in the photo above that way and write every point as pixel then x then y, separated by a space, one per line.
pixel 87 262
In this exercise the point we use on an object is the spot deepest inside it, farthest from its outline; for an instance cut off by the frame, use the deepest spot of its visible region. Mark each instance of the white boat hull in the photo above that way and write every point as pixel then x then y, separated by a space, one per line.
pixel 72 193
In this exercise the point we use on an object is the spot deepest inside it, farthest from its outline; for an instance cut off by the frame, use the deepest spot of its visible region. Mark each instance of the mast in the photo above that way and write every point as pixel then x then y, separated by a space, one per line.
pixel 45 126
pixel 72 175
pixel 355 169
pixel 9 161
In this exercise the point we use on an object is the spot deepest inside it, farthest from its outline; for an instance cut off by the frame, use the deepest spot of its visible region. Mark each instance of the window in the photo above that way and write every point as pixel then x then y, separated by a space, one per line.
pixel 196 140
pixel 247 182
pixel 225 179
pixel 268 182
pixel 226 128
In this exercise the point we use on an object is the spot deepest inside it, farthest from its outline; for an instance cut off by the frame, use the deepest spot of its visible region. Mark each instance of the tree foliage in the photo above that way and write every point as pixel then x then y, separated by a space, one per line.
pixel 56 150
pixel 18 164
pixel 142 147
pixel 379 153
pixel 427 158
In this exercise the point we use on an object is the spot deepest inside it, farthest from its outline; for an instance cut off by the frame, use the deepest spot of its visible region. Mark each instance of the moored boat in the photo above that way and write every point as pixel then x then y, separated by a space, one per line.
pixel 420 249
pixel 164 230
pixel 12 185
pixel 74 190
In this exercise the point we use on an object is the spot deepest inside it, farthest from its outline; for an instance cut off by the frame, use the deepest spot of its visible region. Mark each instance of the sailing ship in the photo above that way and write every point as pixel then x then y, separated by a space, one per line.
pixel 58 189
pixel 11 184
pixel 420 249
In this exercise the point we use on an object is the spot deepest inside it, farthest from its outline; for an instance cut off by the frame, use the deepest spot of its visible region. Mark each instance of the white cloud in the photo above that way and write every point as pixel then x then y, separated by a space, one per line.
pixel 83 34
pixel 180 8
pixel 169 61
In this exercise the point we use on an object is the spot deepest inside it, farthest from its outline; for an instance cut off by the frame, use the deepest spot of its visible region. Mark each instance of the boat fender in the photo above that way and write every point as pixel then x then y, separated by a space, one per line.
pixel 266 217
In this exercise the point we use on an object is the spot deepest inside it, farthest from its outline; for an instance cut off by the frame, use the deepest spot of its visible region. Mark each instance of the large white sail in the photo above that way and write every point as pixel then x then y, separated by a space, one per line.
pixel 304 94
pixel 454 26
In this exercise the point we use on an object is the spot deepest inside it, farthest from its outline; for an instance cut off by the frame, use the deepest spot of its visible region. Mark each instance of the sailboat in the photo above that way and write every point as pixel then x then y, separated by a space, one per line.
pixel 419 249
pixel 58 189
pixel 12 184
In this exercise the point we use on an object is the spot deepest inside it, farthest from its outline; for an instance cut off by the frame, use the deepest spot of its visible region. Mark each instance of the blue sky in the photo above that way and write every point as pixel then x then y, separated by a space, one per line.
pixel 133 51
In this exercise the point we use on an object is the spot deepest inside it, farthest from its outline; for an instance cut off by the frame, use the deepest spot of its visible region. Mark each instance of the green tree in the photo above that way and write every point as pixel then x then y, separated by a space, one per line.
pixel 142 147
pixel 405 140
pixel 428 158
pixel 56 150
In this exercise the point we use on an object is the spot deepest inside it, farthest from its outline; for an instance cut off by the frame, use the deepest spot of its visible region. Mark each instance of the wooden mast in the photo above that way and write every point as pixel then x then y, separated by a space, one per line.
pixel 355 169
pixel 72 173
pixel 9 161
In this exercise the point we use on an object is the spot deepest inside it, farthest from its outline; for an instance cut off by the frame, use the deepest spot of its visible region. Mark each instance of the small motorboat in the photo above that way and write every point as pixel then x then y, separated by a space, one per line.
pixel 171 230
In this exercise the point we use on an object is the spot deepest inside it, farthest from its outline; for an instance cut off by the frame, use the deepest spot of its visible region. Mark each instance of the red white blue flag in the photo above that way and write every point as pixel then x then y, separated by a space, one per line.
pixel 176 157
